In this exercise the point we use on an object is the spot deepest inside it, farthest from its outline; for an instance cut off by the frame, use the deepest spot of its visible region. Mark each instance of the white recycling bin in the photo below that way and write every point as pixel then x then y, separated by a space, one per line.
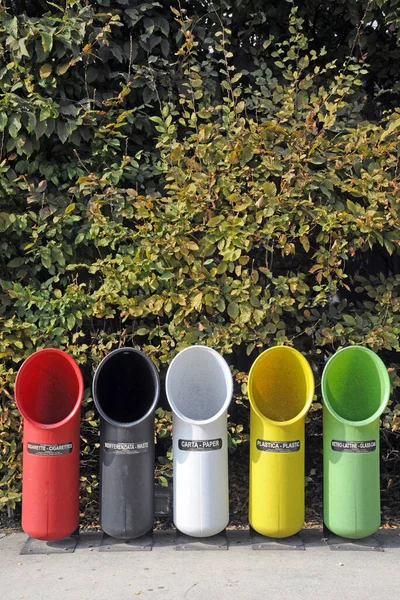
pixel 199 389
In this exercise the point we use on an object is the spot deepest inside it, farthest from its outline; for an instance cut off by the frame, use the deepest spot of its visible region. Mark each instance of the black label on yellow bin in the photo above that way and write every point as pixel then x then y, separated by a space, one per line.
pixel 126 447
pixel 268 446
pixel 200 445
pixel 338 446
pixel 50 449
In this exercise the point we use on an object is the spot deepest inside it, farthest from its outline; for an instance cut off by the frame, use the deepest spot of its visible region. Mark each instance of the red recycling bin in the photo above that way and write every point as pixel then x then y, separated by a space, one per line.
pixel 48 393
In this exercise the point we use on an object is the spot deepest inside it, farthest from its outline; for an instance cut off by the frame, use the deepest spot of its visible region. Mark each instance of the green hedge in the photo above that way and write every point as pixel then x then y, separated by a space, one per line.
pixel 167 199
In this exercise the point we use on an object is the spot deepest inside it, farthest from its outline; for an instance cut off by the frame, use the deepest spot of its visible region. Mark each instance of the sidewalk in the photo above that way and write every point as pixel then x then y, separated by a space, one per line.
pixel 234 567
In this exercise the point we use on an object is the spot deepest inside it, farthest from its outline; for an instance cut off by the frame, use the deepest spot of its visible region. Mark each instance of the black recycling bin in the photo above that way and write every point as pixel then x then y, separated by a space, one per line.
pixel 125 390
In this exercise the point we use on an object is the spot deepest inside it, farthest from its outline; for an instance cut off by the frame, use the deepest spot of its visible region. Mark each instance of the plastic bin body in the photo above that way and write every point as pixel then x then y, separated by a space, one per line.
pixel 125 391
pixel 355 389
pixel 48 392
pixel 199 390
pixel 281 388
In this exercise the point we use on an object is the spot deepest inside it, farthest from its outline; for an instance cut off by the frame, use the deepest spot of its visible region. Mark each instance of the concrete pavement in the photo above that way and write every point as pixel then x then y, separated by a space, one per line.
pixel 248 570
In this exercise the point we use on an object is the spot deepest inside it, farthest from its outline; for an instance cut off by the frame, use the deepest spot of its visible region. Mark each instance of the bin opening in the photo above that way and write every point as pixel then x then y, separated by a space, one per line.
pixel 354 384
pixel 199 383
pixel 126 386
pixel 48 387
pixel 279 385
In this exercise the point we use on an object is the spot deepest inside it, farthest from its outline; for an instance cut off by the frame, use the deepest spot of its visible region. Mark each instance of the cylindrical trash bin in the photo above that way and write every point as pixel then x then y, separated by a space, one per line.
pixel 281 389
pixel 355 389
pixel 199 389
pixel 126 390
pixel 48 393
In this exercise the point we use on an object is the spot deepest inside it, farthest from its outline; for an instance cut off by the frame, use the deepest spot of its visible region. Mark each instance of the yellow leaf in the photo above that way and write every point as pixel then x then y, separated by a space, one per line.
pixel 63 68
pixel 45 71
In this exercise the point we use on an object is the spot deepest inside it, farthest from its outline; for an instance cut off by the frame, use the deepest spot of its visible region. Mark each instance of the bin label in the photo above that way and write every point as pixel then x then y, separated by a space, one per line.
pixel 269 446
pixel 126 447
pixel 50 449
pixel 200 445
pixel 339 446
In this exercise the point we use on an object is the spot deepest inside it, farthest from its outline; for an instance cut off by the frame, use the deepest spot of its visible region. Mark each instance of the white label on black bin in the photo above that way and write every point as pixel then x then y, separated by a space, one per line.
pixel 362 447
pixel 200 445
pixel 126 447
pixel 50 449
pixel 269 446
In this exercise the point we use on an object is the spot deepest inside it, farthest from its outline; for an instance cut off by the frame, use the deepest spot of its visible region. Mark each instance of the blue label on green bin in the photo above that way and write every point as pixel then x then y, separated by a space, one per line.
pixel 49 449
pixel 341 446
pixel 270 446
pixel 126 447
pixel 200 445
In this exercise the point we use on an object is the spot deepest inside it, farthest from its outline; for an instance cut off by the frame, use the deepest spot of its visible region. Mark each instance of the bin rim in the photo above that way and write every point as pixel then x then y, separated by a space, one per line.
pixel 384 376
pixel 79 377
pixel 309 380
pixel 228 380
pixel 156 381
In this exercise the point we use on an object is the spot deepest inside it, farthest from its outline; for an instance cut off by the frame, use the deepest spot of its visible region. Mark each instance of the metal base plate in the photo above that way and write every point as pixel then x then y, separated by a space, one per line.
pixel 33 546
pixel 370 543
pixel 110 544
pixel 261 542
pixel 214 542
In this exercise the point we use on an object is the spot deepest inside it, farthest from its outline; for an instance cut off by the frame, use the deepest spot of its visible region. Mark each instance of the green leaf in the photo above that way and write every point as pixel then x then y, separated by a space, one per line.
pixel 62 131
pixel 233 310
pixel 3 121
pixel 166 276
pixel 14 125
pixel 31 124
pixel 348 319
pixel 16 262
pixel 71 321
pixel 269 189
pixel 47 41
pixel 22 47
pixel 214 221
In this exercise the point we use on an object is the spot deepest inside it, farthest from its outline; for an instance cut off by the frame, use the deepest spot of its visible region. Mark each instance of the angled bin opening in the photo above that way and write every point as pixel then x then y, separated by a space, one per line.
pixel 126 386
pixel 355 389
pixel 199 389
pixel 49 387
pixel 199 384
pixel 280 388
pixel 48 393
pixel 281 384
pixel 355 385
pixel 125 391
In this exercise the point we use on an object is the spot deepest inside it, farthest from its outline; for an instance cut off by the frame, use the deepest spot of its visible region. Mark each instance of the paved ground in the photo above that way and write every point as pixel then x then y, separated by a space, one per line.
pixel 305 567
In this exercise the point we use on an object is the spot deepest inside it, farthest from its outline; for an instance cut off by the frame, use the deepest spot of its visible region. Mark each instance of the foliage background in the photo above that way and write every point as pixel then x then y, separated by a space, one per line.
pixel 207 173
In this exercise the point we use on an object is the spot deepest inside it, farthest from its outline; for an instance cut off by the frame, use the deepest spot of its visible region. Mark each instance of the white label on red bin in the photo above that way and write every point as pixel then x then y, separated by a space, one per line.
pixel 126 447
pixel 50 449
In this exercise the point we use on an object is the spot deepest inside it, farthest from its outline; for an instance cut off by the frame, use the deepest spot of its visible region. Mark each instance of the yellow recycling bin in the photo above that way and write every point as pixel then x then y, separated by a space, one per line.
pixel 281 389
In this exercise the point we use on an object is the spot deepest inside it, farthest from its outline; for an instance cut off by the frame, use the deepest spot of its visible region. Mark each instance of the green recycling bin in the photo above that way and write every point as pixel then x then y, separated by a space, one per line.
pixel 355 389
